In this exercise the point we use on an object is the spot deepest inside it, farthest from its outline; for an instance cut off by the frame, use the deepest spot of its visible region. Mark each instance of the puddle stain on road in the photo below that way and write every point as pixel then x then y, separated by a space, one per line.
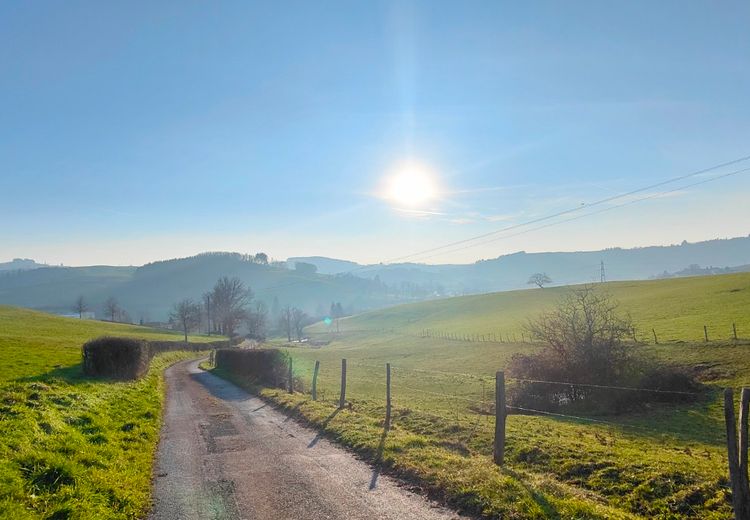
pixel 221 500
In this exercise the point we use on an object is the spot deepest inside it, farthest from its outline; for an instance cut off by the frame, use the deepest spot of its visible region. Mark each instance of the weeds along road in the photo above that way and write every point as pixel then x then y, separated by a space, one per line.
pixel 225 454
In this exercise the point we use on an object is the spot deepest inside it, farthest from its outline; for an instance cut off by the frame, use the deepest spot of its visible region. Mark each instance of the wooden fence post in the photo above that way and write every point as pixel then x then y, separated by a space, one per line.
pixel 387 395
pixel 734 330
pixel 315 381
pixel 705 332
pixel 342 397
pixel 656 340
pixel 635 338
pixel 291 376
pixel 737 461
pixel 744 409
pixel 500 412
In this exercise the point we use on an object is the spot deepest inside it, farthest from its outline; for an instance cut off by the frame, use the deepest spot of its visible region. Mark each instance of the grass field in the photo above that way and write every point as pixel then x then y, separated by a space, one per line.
pixel 70 446
pixel 34 343
pixel 677 309
pixel 667 461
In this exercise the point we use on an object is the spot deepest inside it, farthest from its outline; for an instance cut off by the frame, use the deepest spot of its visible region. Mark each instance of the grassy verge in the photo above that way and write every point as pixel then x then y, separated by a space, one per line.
pixel 72 447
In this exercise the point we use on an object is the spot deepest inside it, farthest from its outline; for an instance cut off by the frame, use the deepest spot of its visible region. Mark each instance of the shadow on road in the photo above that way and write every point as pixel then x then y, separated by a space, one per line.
pixel 379 457
pixel 219 387
pixel 322 427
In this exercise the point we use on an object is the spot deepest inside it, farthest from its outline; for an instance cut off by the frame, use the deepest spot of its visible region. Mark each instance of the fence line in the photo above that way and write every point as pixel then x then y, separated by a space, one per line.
pixel 462 374
pixel 588 385
pixel 439 394
pixel 638 336
pixel 487 379
pixel 486 404
pixel 586 419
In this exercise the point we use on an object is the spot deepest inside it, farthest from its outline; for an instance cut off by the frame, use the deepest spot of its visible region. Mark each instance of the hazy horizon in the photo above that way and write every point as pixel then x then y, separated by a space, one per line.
pixel 287 257
pixel 367 131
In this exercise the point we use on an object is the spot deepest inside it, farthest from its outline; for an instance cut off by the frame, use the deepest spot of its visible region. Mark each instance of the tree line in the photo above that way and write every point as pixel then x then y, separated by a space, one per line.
pixel 227 308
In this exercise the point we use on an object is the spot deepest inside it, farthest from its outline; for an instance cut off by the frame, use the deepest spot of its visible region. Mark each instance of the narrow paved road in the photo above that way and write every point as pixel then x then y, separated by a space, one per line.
pixel 225 454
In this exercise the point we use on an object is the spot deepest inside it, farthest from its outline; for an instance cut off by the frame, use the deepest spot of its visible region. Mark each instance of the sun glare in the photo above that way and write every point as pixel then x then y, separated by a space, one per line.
pixel 411 185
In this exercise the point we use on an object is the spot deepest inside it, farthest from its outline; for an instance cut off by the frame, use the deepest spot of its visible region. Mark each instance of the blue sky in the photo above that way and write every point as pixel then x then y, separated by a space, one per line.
pixel 132 131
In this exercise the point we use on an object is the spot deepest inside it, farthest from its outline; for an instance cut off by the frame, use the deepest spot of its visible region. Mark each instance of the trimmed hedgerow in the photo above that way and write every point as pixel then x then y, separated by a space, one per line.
pixel 116 358
pixel 266 367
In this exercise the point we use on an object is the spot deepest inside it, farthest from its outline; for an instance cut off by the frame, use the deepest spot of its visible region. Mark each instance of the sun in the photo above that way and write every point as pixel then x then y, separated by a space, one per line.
pixel 411 185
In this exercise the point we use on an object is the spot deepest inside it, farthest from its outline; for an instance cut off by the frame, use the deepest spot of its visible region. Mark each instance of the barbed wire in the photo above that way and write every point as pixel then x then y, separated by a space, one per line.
pixel 440 394
pixel 608 387
pixel 588 419
pixel 461 374
pixel 489 379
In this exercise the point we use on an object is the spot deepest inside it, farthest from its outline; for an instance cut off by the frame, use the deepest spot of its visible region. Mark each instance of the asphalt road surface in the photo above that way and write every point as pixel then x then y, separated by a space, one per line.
pixel 225 454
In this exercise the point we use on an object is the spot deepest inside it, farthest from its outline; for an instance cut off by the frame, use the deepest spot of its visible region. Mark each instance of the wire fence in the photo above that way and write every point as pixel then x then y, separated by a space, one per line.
pixel 467 412
pixel 639 335
pixel 462 398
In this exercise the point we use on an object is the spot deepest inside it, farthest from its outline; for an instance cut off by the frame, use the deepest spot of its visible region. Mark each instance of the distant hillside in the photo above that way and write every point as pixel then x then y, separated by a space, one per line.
pixel 676 308
pixel 512 271
pixel 20 264
pixel 324 265
pixel 148 292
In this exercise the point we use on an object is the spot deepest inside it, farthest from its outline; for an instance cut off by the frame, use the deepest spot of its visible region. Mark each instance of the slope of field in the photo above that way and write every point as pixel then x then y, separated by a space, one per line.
pixel 34 343
pixel 70 446
pixel 676 308
pixel 666 461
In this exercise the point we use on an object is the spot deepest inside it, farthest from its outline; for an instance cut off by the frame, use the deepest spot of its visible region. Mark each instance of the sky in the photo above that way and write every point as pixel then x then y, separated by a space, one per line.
pixel 137 131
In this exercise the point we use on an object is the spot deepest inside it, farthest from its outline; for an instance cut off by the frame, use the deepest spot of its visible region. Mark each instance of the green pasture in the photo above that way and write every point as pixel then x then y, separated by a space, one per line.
pixel 34 343
pixel 666 461
pixel 676 308
pixel 73 447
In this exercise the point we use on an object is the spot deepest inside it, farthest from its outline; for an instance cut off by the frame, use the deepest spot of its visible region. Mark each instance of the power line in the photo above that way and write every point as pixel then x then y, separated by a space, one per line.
pixel 546 218
pixel 572 210
pixel 603 210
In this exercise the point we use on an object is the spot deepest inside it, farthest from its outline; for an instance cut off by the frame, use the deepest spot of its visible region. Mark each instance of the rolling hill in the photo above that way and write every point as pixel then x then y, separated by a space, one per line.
pixel 512 271
pixel 677 309
pixel 149 291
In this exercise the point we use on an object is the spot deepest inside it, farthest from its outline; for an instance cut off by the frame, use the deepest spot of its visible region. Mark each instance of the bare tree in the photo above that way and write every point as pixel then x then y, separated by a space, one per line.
pixel 80 306
pixel 229 298
pixel 256 321
pixel 585 346
pixel 285 321
pixel 187 314
pixel 583 337
pixel 207 306
pixel 539 279
pixel 299 320
pixel 112 308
